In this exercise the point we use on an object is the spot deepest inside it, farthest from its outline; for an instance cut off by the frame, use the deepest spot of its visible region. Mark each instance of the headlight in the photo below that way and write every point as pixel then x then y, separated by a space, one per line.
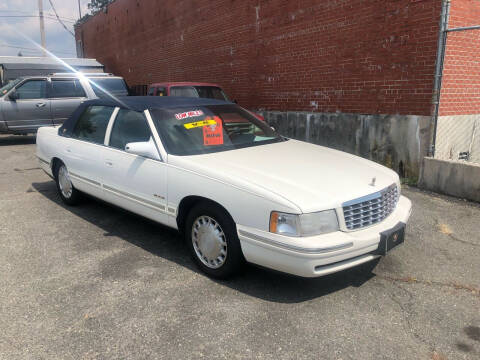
pixel 317 223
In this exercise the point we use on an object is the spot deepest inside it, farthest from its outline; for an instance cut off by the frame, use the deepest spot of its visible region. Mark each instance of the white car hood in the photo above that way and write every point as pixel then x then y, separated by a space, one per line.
pixel 311 177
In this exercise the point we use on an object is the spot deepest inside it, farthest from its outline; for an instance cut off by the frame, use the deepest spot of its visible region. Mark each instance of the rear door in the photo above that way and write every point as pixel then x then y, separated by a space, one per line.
pixel 82 152
pixel 65 96
pixel 32 108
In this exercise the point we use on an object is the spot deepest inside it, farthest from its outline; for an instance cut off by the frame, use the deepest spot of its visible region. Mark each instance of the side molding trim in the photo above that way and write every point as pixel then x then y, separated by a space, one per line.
pixel 84 179
pixel 137 199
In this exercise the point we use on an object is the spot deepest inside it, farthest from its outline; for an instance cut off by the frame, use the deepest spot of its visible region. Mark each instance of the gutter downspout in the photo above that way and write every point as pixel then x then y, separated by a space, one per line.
pixel 437 86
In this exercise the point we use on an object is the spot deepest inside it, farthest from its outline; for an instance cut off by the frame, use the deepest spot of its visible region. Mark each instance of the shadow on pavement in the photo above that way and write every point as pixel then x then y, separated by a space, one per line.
pixel 254 281
pixel 9 140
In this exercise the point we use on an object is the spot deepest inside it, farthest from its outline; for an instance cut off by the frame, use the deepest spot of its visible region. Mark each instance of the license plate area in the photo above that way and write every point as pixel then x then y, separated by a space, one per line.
pixel 390 239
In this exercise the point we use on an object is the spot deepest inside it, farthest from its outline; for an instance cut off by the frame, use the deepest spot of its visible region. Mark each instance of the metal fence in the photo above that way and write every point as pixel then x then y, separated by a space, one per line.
pixel 138 90
pixel 458 138
pixel 457 85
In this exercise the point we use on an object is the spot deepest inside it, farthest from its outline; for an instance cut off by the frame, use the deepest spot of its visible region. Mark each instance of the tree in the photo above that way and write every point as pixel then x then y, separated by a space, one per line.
pixel 97 5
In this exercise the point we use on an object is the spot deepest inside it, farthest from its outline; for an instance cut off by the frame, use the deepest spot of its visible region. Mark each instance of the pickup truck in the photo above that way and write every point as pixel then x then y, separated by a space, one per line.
pixel 236 193
pixel 28 103
pixel 192 89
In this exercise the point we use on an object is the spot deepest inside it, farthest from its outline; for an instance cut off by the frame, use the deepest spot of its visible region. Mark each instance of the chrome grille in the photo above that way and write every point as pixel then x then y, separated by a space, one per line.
pixel 370 209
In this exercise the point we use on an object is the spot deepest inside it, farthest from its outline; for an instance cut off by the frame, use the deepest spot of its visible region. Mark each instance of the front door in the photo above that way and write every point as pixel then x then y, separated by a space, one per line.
pixel 65 95
pixel 134 182
pixel 31 109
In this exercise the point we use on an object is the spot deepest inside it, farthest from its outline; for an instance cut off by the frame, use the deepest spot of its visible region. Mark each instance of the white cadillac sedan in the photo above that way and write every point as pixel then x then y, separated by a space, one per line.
pixel 236 189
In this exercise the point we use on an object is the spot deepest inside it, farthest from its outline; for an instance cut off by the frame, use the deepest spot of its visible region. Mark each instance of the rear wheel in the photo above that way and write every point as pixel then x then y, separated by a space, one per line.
pixel 213 242
pixel 66 190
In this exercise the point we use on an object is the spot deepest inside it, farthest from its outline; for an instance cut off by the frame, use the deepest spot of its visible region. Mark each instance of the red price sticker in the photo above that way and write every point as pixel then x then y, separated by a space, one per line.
pixel 213 134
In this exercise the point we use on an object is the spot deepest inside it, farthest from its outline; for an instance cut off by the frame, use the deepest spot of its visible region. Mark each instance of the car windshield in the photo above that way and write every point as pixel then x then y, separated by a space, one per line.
pixel 112 86
pixel 9 86
pixel 206 129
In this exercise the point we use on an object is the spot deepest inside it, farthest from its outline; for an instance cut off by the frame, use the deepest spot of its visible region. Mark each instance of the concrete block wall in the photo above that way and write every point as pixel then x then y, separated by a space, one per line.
pixel 398 141
pixel 460 179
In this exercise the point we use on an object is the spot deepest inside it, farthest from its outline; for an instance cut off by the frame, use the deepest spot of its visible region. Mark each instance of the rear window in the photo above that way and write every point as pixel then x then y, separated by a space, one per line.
pixel 107 87
pixel 68 88
pixel 183 91
pixel 211 92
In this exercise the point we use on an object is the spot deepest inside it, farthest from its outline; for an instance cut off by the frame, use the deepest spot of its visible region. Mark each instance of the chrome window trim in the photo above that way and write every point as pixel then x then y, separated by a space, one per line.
pixel 156 137
pixel 108 132
pixel 69 98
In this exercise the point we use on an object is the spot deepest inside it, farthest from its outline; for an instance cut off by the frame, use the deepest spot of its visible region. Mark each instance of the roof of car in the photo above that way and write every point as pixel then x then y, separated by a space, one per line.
pixel 141 103
pixel 70 75
pixel 183 83
pixel 136 103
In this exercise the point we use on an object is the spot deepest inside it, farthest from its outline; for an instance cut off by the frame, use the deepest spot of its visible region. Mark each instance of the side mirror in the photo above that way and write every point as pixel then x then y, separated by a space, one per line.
pixel 13 96
pixel 271 127
pixel 145 148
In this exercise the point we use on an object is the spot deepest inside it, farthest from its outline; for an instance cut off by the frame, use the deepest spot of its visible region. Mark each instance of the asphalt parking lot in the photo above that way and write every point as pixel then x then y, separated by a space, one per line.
pixel 95 282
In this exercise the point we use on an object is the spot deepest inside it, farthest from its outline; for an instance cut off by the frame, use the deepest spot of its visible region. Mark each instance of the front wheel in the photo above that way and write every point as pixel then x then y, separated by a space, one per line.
pixel 213 242
pixel 66 190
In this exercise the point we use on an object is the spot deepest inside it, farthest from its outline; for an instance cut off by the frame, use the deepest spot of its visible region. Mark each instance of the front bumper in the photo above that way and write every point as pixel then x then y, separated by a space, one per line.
pixel 318 255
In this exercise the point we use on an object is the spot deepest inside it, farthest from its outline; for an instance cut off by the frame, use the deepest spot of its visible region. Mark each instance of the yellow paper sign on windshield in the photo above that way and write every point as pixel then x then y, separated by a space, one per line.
pixel 200 124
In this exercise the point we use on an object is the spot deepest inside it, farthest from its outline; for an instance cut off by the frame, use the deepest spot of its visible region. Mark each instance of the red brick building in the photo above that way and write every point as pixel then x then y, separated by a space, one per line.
pixel 353 74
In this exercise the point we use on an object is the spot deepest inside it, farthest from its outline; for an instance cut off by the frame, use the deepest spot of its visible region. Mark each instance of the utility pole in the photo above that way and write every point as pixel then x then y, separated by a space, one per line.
pixel 79 10
pixel 42 27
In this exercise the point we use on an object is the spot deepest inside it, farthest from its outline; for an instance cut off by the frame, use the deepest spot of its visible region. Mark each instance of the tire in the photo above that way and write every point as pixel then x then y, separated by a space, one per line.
pixel 211 237
pixel 65 188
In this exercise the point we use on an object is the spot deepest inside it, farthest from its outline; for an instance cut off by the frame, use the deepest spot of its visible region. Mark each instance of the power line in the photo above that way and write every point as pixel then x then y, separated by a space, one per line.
pixel 33 49
pixel 29 12
pixel 34 16
pixel 59 20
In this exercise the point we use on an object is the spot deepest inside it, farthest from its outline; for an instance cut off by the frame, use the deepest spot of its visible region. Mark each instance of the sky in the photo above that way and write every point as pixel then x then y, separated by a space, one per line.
pixel 22 16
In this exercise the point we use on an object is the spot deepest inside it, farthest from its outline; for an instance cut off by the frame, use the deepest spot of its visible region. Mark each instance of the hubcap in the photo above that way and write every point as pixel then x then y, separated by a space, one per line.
pixel 209 242
pixel 64 182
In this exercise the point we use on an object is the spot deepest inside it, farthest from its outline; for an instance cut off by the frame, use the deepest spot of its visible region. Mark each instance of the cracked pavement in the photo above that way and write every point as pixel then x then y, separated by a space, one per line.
pixel 96 282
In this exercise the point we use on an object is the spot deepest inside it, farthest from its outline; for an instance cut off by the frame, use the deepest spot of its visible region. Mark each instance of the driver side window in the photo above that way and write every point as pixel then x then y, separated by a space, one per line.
pixel 32 89
pixel 129 126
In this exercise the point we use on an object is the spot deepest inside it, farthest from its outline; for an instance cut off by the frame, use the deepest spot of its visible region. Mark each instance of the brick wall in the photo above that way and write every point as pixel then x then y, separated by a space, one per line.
pixel 352 56
pixel 460 93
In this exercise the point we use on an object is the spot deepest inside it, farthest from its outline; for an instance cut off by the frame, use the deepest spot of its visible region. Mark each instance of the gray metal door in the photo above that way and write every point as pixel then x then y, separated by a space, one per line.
pixel 65 95
pixel 31 109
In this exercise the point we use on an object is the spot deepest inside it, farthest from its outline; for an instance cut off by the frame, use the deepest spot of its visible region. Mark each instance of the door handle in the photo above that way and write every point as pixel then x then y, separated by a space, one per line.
pixel 69 150
pixel 39 105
